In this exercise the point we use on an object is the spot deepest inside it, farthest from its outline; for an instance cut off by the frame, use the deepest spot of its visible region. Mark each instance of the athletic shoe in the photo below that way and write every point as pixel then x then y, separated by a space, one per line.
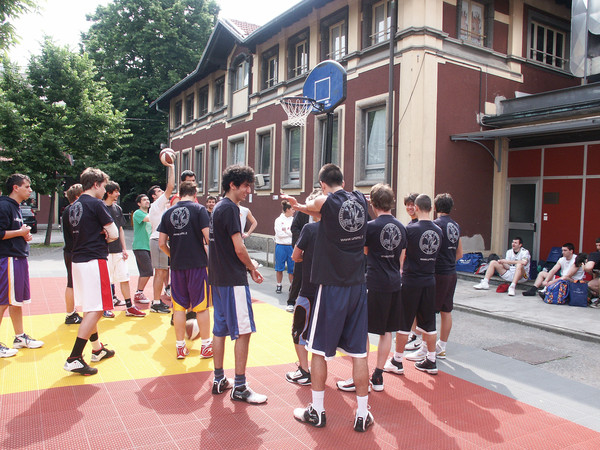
pixel 428 366
pixel 168 290
pixel 206 351
pixel 26 341
pixel 362 423
pixel 160 307
pixel 78 365
pixel 511 291
pixel 542 291
pixel 414 343
pixel 595 303
pixel 221 386
pixel 418 355
pixel 73 319
pixel 6 352
pixel 133 311
pixel 243 393
pixel 542 295
pixel 182 352
pixel 439 353
pixel 393 366
pixel 108 314
pixel 348 385
pixel 377 382
pixel 101 354
pixel 300 376
pixel 278 289
pixel 483 285
pixel 289 308
pixel 117 302
pixel 140 298
pixel 310 416
pixel 530 292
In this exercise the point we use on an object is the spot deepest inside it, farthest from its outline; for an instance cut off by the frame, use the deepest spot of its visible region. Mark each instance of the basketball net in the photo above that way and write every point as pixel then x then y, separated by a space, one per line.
pixel 298 109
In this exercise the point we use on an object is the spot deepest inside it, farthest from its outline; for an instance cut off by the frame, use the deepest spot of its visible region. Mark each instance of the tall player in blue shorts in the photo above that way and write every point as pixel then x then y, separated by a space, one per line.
pixel 185 226
pixel 228 263
pixel 339 319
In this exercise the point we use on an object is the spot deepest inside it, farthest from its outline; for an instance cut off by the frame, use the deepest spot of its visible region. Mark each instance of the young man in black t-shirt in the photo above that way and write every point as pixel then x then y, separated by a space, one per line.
pixel 592 267
pixel 72 194
pixel 229 263
pixel 339 319
pixel 424 239
pixel 414 338
pixel 93 228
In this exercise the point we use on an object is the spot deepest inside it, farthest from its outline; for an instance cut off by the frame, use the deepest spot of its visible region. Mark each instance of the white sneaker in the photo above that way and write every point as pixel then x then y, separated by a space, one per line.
pixel 482 286
pixel 511 291
pixel 414 343
pixel 419 355
pixel 26 341
pixel 439 353
pixel 6 352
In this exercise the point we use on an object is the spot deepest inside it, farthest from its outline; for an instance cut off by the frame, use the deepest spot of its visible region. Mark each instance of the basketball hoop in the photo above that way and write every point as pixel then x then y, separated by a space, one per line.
pixel 298 109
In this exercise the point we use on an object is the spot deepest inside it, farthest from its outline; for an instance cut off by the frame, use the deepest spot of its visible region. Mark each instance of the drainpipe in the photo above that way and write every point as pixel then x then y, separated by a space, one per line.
pixel 390 124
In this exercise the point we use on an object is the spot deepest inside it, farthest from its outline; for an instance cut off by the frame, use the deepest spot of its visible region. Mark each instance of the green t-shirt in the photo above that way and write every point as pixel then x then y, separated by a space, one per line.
pixel 141 231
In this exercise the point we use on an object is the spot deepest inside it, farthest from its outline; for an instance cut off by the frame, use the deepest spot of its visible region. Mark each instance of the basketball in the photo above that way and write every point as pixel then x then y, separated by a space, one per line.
pixel 192 330
pixel 167 156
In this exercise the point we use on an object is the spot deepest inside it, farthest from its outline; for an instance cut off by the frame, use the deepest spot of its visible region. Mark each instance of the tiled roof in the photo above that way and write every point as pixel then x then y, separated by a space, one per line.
pixel 245 28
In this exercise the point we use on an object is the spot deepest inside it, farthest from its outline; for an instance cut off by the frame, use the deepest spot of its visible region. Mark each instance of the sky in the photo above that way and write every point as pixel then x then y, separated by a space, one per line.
pixel 64 21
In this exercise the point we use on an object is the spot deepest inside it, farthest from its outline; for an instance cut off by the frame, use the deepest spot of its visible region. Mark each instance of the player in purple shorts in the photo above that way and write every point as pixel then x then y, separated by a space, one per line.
pixel 183 232
pixel 229 263
pixel 14 269
pixel 339 319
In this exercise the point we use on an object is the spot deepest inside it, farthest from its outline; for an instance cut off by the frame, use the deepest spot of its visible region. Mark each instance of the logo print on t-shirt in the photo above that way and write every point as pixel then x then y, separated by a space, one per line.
pixel 429 242
pixel 452 232
pixel 180 217
pixel 351 216
pixel 390 237
pixel 75 213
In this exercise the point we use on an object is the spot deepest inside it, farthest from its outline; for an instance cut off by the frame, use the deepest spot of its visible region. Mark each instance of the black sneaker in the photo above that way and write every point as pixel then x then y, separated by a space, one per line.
pixel 530 292
pixel 300 376
pixel 245 394
pixel 362 423
pixel 78 365
pixel 542 295
pixel 278 290
pixel 377 382
pixel 160 307
pixel 310 416
pixel 101 354
pixel 222 385
pixel 428 366
pixel 73 319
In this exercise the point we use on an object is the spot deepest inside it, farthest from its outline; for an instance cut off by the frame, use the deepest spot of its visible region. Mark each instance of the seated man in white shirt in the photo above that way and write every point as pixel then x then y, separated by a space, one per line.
pixel 563 264
pixel 514 268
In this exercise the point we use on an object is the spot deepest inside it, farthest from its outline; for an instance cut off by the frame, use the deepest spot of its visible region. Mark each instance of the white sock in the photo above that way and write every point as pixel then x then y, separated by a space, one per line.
pixel 442 344
pixel 513 285
pixel 206 342
pixel 398 356
pixel 431 356
pixel 180 343
pixel 318 398
pixel 155 302
pixel 363 405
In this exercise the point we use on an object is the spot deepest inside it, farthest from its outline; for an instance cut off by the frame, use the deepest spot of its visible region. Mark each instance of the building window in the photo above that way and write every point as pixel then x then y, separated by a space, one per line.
pixel 373 144
pixel 203 101
pixel 189 108
pixel 219 92
pixel 269 67
pixel 178 114
pixel 185 160
pixel 240 76
pixel 322 140
pixel 263 158
pixel 293 157
pixel 298 46
pixel 381 23
pixel 237 152
pixel 547 45
pixel 476 21
pixel 337 41
pixel 199 167
pixel 334 31
pixel 214 164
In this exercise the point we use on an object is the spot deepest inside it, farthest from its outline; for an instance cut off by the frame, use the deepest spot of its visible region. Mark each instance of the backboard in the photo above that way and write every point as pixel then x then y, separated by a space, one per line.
pixel 326 84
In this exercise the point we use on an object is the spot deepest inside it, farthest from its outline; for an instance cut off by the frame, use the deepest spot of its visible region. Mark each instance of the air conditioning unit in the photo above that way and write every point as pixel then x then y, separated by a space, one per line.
pixel 259 180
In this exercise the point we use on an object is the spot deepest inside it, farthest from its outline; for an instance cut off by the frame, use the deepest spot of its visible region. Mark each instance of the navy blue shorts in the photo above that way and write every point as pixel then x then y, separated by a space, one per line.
pixel 233 311
pixel 339 321
pixel 445 285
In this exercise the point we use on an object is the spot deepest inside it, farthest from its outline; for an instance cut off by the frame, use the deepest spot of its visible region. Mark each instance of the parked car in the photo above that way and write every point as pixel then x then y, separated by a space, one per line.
pixel 29 217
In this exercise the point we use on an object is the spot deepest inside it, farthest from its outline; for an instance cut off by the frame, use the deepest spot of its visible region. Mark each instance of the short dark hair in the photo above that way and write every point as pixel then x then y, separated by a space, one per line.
pixel 90 176
pixel 382 197
pixel 111 187
pixel 187 173
pixel 569 245
pixel 580 259
pixel 139 198
pixel 285 205
pixel 211 197
pixel 443 203
pixel 237 175
pixel 16 179
pixel 597 240
pixel 187 188
pixel 410 198
pixel 518 238
pixel 423 201
pixel 331 175
pixel 73 192
pixel 151 192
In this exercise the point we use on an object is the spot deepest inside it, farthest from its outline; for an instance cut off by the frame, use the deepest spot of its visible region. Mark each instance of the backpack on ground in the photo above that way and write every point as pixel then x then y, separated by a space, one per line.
pixel 469 262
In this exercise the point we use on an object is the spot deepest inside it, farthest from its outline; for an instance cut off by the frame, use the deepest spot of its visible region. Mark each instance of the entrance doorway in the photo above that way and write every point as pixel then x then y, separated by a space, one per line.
pixel 522 214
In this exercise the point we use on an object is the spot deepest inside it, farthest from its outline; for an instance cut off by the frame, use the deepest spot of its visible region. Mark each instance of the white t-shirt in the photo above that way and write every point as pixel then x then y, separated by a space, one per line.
pixel 565 265
pixel 243 215
pixel 283 230
pixel 157 209
pixel 523 254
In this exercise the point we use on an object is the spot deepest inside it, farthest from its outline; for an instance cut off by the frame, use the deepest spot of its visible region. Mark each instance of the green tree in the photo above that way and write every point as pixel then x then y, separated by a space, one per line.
pixel 9 10
pixel 141 48
pixel 56 120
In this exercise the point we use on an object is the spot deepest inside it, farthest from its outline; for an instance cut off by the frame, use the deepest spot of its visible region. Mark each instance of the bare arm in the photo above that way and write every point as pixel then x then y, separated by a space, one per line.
pixel 297 254
pixel 244 257
pixel 459 250
pixel 22 232
pixel 162 244
pixel 253 224
pixel 123 245
pixel 312 207
pixel 205 234
pixel 589 267
pixel 170 181
pixel 366 250
pixel 549 278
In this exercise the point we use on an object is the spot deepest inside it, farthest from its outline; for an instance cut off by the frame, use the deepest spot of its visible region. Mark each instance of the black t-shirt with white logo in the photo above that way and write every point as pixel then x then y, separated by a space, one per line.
pixel 339 258
pixel 424 243
pixel 224 267
pixel 306 243
pixel 67 231
pixel 117 215
pixel 386 238
pixel 446 259
pixel 87 216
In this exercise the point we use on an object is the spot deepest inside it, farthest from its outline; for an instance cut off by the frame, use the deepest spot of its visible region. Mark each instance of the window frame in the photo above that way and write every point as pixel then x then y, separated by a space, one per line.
pixel 243 66
pixel 203 101
pixel 219 100
pixel 186 155
pixel 189 107
pixel 268 174
pixel 214 161
pixel 232 145
pixel 337 19
pixel 198 164
pixel 320 136
pixel 362 108
pixel 178 113
pixel 287 180
pixel 301 38
pixel 555 25
pixel 270 67
pixel 487 23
